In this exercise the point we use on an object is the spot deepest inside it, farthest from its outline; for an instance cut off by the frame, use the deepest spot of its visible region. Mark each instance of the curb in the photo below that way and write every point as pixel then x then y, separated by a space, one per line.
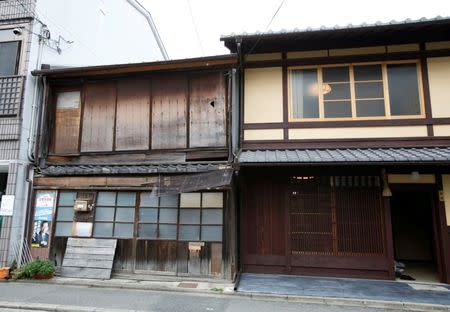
pixel 331 301
pixel 366 303
pixel 56 307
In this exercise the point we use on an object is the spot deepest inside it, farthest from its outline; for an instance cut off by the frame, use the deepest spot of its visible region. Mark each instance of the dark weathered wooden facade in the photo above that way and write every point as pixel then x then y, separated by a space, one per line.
pixel 339 129
pixel 147 147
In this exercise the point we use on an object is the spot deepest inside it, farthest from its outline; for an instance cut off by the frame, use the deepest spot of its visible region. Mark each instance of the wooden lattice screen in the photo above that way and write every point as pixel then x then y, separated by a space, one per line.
pixel 336 216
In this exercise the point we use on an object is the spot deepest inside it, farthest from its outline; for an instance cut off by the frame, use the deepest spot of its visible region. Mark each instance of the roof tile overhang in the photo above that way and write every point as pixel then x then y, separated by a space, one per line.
pixel 434 155
pixel 208 62
pixel 394 32
pixel 95 170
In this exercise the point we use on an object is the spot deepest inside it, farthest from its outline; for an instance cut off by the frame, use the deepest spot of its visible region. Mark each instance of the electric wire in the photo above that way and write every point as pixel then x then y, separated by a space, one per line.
pixel 58 26
pixel 195 28
pixel 267 27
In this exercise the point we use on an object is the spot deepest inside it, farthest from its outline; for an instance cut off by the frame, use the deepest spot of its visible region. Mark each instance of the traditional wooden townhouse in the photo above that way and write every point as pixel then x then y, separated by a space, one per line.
pixel 344 150
pixel 140 153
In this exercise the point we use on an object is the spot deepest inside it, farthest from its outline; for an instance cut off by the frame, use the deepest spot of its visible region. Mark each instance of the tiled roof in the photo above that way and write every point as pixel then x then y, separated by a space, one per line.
pixel 370 155
pixel 336 27
pixel 64 170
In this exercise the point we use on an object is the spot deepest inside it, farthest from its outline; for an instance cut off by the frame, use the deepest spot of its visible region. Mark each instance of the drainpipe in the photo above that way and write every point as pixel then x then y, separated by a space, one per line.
pixel 31 135
pixel 135 4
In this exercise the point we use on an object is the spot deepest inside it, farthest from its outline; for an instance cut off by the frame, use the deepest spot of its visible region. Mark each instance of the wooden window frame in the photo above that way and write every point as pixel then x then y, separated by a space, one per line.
pixel 178 223
pixel 353 99
pixel 115 207
pixel 63 89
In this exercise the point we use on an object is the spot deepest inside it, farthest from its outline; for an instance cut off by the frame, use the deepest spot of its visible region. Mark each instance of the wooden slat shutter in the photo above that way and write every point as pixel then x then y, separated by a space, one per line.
pixel 207 110
pixel 133 115
pixel 169 105
pixel 98 117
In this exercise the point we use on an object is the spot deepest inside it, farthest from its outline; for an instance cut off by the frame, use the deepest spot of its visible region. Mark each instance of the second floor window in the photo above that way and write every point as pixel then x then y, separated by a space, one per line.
pixel 9 58
pixel 355 91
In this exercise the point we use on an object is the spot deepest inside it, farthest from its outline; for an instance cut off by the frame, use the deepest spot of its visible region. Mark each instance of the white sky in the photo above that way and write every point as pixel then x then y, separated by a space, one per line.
pixel 222 17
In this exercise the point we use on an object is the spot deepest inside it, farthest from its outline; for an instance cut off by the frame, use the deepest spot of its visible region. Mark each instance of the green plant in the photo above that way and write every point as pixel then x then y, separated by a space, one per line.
pixel 13 265
pixel 37 266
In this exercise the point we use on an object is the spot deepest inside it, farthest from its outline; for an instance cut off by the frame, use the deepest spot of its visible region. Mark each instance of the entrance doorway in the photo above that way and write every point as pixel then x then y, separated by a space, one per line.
pixel 412 232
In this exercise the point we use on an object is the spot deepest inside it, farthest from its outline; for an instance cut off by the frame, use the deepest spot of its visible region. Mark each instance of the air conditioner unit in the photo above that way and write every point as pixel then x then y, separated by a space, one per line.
pixel 82 205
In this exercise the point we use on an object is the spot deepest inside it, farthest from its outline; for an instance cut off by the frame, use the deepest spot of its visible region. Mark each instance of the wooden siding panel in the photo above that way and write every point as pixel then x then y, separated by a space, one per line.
pixel 98 118
pixel 169 105
pixel 82 259
pixel 67 131
pixel 207 110
pixel 133 115
pixel 264 218
pixel 359 221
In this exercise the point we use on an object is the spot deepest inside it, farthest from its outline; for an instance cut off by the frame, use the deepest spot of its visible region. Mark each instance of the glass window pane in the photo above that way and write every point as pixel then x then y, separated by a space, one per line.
pixel 169 201
pixel 67 198
pixel 403 89
pixel 82 229
pixel 125 214
pixel 168 215
pixel 63 229
pixel 338 109
pixel 65 214
pixel 67 100
pixel 190 216
pixel 167 231
pixel 335 74
pixel 212 200
pixel 340 91
pixel 211 233
pixel 190 200
pixel 106 198
pixel 126 199
pixel 367 72
pixel 148 200
pixel 367 90
pixel 148 230
pixel 104 214
pixel 148 215
pixel 368 108
pixel 103 229
pixel 212 216
pixel 123 230
pixel 189 232
pixel 305 93
pixel 8 58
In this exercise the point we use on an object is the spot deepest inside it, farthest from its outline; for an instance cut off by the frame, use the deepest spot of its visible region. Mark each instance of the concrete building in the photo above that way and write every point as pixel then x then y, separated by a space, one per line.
pixel 60 34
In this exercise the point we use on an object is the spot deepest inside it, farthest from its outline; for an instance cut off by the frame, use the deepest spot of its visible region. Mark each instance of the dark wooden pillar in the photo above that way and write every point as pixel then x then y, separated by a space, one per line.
pixel 389 240
pixel 441 231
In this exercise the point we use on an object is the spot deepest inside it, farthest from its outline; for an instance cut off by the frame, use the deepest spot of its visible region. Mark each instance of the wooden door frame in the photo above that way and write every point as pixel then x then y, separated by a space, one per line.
pixel 438 232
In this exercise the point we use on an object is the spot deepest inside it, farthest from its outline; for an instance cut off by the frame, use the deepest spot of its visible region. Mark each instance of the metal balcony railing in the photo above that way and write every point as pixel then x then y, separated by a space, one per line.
pixel 16 9
pixel 11 88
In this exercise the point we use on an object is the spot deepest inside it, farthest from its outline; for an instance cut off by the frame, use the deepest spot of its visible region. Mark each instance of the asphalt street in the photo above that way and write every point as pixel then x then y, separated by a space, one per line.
pixel 141 300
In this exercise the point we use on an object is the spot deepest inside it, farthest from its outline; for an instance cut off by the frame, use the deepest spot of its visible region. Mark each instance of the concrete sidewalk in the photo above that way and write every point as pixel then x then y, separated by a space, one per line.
pixel 305 290
pixel 156 284
pixel 392 294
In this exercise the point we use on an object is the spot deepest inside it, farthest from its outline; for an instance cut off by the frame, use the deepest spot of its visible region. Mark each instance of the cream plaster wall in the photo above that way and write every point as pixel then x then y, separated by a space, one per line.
pixel 441 130
pixel 358 132
pixel 408 179
pixel 263 134
pixel 263 57
pixel 263 95
pixel 438 45
pixel 439 80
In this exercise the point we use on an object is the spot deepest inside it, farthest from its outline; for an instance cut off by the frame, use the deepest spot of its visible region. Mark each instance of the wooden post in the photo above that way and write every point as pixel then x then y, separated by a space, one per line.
pixel 389 240
pixel 442 232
